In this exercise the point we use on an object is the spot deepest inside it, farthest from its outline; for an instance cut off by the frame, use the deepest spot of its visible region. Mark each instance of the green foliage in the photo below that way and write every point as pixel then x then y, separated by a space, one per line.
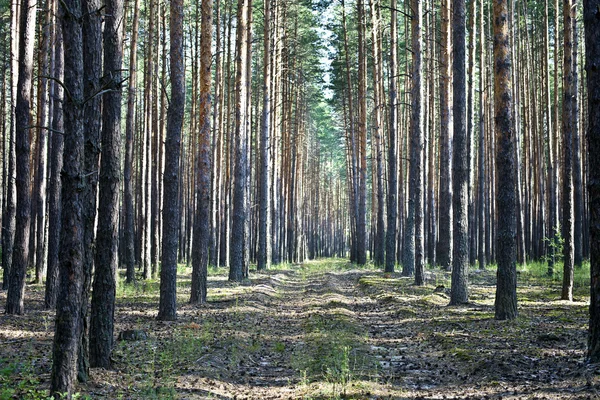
pixel 556 245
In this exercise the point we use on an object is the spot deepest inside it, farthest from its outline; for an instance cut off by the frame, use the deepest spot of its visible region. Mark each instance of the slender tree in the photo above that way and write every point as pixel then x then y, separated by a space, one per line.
pixel 569 100
pixel 203 164
pixel 107 242
pixel 129 233
pixel 56 162
pixel 264 230
pixel 71 255
pixel 23 122
pixel 506 164
pixel 460 161
pixel 239 239
pixel 8 218
pixel 414 246
pixel 392 194
pixel 168 274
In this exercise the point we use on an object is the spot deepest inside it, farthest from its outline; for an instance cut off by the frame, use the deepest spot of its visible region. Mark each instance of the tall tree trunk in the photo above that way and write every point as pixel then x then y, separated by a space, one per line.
pixel 8 219
pixel 203 164
pixel 71 256
pixel 92 64
pixel 392 210
pixel 361 229
pixel 506 194
pixel 550 153
pixel 591 8
pixel 445 245
pixel 414 251
pixel 460 161
pixel 569 84
pixel 56 164
pixel 239 239
pixel 42 122
pixel 576 148
pixel 264 220
pixel 20 256
pixel 107 244
pixel 482 170
pixel 129 133
pixel 379 237
pixel 168 274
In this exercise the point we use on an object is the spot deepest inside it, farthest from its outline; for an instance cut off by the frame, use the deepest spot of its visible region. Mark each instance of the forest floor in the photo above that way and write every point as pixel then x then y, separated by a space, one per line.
pixel 321 330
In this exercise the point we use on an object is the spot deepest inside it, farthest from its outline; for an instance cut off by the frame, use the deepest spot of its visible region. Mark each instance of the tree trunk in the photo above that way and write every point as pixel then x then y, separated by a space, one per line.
pixel 239 239
pixel 361 231
pixel 414 251
pixel 107 244
pixel 203 164
pixel 129 133
pixel 71 255
pixel 56 164
pixel 92 64
pixel 569 7
pixel 506 194
pixel 42 122
pixel 392 210
pixel 23 122
pixel 168 274
pixel 591 10
pixel 576 154
pixel 460 162
pixel 8 219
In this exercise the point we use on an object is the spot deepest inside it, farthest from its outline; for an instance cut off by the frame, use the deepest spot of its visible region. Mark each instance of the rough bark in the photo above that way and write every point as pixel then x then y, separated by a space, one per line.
pixel 361 229
pixel 56 163
pixel 23 122
pixel 591 20
pixel 506 164
pixel 392 195
pixel 264 219
pixel 239 217
pixel 414 245
pixel 168 274
pixel 107 241
pixel 460 161
pixel 8 219
pixel 203 166
pixel 128 165
pixel 568 133
pixel 42 122
pixel 92 64
pixel 71 255
pixel 445 245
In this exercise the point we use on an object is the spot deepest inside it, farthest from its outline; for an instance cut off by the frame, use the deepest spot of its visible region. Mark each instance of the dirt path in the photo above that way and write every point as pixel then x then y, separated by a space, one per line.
pixel 324 330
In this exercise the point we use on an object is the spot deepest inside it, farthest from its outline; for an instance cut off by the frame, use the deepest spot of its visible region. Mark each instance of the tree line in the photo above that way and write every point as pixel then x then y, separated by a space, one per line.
pixel 147 134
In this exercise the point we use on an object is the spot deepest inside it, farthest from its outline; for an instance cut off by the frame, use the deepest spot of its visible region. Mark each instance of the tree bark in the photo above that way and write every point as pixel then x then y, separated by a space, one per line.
pixel 239 239
pixel 264 219
pixel 204 166
pixel 168 274
pixel 392 210
pixel 107 243
pixel 8 219
pixel 56 164
pixel 460 161
pixel 129 133
pixel 569 7
pixel 71 255
pixel 414 246
pixel 23 122
pixel 506 287
pixel 591 20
